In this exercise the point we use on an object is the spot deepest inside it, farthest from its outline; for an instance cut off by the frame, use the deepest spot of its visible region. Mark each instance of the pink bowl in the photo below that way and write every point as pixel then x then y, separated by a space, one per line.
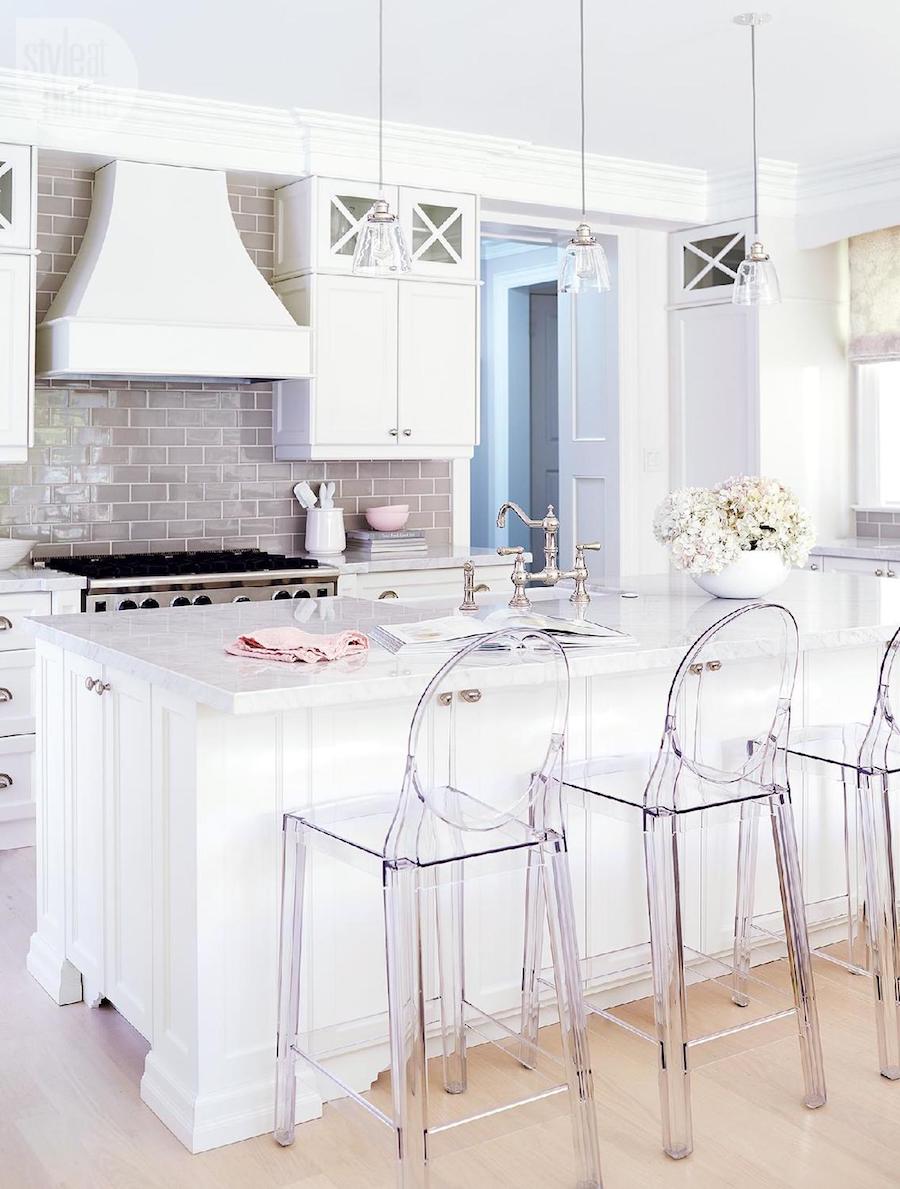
pixel 389 518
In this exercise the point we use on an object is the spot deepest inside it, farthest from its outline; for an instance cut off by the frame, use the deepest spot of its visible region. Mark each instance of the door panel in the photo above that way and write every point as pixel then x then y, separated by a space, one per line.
pixel 437 402
pixel 355 361
pixel 544 385
pixel 16 303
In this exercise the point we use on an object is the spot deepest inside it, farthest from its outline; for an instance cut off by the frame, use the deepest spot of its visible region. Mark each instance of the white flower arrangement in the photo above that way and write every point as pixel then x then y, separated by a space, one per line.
pixel 706 528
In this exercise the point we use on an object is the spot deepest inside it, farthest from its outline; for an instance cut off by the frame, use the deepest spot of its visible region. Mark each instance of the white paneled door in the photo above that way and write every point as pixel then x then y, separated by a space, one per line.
pixel 589 430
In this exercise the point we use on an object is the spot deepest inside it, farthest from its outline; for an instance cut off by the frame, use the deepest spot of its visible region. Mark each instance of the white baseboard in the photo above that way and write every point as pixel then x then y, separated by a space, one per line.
pixel 55 973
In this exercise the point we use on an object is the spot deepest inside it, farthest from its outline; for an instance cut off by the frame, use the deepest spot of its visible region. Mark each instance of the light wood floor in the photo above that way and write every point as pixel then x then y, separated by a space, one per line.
pixel 71 1116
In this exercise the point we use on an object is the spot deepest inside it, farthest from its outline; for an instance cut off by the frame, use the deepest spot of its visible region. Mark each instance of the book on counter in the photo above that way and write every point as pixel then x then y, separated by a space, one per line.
pixel 453 631
pixel 369 543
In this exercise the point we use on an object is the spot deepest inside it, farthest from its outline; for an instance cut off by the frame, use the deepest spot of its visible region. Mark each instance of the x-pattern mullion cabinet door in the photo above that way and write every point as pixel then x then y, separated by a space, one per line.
pixel 342 208
pixel 440 232
pixel 16 187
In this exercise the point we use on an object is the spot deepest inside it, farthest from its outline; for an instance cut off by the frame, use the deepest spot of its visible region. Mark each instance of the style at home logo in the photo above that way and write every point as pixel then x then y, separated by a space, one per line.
pixel 85 64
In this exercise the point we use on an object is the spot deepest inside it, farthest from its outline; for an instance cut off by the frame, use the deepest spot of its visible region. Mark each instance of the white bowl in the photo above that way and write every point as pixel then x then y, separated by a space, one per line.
pixel 389 518
pixel 754 574
pixel 13 550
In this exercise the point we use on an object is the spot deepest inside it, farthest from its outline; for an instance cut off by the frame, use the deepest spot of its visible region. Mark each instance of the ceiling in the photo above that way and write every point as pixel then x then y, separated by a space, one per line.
pixel 667 81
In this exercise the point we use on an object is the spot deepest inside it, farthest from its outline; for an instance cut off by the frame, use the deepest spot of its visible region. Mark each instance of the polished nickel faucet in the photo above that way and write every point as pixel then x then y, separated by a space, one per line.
pixel 550 574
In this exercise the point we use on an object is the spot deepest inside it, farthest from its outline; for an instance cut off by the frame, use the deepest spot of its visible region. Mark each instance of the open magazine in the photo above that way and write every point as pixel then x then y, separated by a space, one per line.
pixel 453 631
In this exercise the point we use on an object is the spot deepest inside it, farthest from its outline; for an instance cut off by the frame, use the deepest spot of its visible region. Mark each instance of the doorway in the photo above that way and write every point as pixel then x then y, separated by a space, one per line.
pixel 544 438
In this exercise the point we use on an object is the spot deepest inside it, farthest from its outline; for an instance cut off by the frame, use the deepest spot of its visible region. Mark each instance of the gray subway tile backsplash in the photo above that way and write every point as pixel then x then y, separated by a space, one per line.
pixel 135 465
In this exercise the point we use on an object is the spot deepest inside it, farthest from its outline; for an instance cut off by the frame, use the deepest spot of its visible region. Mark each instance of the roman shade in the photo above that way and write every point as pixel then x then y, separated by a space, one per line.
pixel 875 296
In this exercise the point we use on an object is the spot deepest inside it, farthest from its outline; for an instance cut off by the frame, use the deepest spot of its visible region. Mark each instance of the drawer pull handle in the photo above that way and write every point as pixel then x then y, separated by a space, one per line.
pixel 389 594
pixel 5 694
pixel 6 781
pixel 445 699
pixel 470 695
pixel 5 624
pixel 90 682
pixel 482 588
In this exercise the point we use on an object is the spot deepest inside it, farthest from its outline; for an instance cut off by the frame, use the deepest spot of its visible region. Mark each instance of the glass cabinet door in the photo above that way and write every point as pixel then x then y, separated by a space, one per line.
pixel 441 232
pixel 15 196
pixel 342 207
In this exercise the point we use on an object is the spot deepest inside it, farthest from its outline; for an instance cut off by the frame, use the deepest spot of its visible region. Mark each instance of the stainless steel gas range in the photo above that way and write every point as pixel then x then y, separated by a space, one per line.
pixel 128 581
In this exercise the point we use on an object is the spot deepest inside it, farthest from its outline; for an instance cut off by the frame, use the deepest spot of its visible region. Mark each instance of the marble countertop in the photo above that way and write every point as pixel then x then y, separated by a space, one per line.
pixel 20 579
pixel 858 547
pixel 182 649
pixel 435 559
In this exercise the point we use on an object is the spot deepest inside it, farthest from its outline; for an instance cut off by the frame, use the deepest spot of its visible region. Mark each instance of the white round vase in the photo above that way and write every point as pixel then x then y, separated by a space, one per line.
pixel 754 574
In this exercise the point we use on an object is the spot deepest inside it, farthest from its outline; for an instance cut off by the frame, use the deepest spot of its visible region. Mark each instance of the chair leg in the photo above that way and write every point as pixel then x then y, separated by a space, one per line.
pixel 554 874
pixel 748 847
pixel 857 947
pixel 669 1000
pixel 531 959
pixel 882 905
pixel 449 899
pixel 793 908
pixel 290 948
pixel 406 1011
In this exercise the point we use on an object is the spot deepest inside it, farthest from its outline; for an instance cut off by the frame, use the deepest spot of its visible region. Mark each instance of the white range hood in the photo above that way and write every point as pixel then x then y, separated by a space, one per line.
pixel 162 287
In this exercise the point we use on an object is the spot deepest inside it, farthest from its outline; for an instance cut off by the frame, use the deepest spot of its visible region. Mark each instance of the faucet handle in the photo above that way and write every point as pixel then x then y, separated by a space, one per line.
pixel 589 545
pixel 509 550
pixel 519 576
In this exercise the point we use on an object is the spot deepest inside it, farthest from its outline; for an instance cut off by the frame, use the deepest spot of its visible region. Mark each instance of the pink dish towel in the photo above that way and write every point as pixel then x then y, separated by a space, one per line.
pixel 293 644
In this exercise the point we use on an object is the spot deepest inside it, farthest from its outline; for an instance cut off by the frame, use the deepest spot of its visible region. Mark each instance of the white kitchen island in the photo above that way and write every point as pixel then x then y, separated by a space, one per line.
pixel 164 767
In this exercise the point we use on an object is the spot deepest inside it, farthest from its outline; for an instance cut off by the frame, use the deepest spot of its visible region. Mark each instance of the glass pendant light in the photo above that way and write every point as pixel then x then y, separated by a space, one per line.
pixel 756 283
pixel 380 245
pixel 584 268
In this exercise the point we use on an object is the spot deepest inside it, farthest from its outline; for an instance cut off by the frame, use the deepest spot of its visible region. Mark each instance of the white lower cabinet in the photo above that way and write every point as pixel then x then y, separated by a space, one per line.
pixel 108 912
pixel 877 567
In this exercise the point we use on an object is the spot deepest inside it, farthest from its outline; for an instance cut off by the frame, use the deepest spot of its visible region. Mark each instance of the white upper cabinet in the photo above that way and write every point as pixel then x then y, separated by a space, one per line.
pixel 17 219
pixel 437 366
pixel 16 350
pixel 703 262
pixel 355 390
pixel 441 233
pixel 317 222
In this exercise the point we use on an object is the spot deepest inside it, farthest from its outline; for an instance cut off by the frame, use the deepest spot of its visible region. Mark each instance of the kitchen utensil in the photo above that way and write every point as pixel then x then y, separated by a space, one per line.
pixel 328 501
pixel 325 531
pixel 389 518
pixel 305 494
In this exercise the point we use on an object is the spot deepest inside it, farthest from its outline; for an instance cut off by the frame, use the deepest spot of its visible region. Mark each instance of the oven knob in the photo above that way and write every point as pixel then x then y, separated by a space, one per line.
pixel 127 605
pixel 202 601
pixel 281 594
pixel 241 599
pixel 149 603
pixel 181 601
pixel 302 594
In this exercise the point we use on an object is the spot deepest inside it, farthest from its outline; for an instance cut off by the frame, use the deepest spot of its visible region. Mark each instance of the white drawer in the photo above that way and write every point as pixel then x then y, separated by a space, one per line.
pixel 14 609
pixel 17 692
pixel 16 786
pixel 414 584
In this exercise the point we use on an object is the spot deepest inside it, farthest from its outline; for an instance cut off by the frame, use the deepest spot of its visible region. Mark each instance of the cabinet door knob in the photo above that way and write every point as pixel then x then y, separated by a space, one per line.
pixel 445 698
pixel 407 433
pixel 696 668
pixel 5 624
pixel 891 574
pixel 713 666
pixel 100 688
pixel 389 594
pixel 813 565
pixel 5 694
pixel 393 432
pixel 6 780
pixel 470 695
pixel 879 573
pixel 90 682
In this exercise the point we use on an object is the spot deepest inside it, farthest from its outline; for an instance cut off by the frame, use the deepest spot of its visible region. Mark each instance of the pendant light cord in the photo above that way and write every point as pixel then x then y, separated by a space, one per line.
pixel 381 98
pixel 755 149
pixel 581 63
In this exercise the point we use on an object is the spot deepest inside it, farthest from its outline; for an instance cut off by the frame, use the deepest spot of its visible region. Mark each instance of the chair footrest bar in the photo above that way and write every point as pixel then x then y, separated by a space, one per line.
pixel 499 1110
pixel 511 1033
pixel 775 1015
pixel 354 1094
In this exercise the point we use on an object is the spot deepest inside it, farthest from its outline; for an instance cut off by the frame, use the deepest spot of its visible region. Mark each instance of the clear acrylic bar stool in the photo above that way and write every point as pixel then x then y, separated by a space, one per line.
pixel 706 768
pixel 865 759
pixel 467 798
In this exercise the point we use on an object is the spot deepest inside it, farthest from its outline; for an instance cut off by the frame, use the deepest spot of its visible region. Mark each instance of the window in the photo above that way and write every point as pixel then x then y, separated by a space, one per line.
pixel 878 413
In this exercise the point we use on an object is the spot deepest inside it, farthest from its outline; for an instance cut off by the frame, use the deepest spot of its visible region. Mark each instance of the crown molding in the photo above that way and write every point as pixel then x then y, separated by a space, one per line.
pixel 828 202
